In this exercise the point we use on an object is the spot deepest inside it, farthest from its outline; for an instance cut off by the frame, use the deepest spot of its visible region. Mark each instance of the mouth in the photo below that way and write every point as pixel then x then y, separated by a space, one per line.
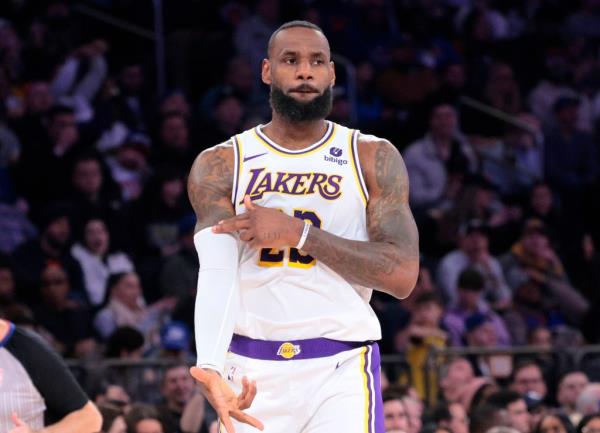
pixel 305 90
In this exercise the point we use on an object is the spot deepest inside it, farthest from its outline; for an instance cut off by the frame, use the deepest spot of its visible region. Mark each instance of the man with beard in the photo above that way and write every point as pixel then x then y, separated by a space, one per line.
pixel 298 221
pixel 32 257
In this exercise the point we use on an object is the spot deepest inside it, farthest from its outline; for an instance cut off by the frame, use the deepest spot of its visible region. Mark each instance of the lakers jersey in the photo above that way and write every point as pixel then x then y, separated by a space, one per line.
pixel 285 293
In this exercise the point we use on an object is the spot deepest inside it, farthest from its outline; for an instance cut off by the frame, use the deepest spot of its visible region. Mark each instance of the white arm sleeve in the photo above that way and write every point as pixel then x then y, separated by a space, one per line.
pixel 218 297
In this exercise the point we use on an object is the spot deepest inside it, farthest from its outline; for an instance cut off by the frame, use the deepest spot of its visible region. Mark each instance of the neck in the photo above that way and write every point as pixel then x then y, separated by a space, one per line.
pixel 175 406
pixel 441 140
pixel 294 135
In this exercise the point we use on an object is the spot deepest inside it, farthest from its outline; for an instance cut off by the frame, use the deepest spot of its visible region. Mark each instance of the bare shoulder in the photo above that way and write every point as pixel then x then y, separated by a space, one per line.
pixel 210 182
pixel 382 165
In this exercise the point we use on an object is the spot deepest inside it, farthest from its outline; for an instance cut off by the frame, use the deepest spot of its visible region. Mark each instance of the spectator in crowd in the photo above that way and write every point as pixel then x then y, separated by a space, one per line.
pixel 414 411
pixel 570 387
pixel 132 103
pixel 129 165
pixel 514 163
pixel 455 380
pixel 394 412
pixel 31 257
pixel 126 307
pixel 533 258
pixel 173 145
pixel 68 320
pixel 422 334
pixel 453 417
pixel 430 160
pixel 97 261
pixel 588 401
pixel 179 273
pixel 76 90
pixel 8 293
pixel 157 216
pixel 50 158
pixel 110 394
pixel 589 423
pixel 487 416
pixel 473 252
pixel 571 161
pixel 527 379
pixel 470 301
pixel 481 332
pixel 516 409
pixel 542 206
pixel 143 418
pixel 177 389
pixel 15 226
pixel 226 118
pixel 555 423
pixel 94 193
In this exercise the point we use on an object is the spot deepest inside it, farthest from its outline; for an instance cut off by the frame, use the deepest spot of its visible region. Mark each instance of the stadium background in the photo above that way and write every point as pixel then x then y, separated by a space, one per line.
pixel 495 106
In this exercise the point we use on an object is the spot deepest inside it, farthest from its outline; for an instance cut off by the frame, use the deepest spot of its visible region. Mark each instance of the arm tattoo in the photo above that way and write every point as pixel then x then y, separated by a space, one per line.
pixel 391 256
pixel 209 185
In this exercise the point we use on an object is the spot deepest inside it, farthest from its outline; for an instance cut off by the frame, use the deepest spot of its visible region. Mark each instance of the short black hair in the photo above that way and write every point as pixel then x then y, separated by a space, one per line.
pixel 524 363
pixel 471 279
pixel 502 399
pixel 441 412
pixel 290 25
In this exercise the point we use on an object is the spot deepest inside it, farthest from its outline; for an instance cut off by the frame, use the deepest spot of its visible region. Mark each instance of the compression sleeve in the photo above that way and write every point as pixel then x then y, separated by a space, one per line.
pixel 217 298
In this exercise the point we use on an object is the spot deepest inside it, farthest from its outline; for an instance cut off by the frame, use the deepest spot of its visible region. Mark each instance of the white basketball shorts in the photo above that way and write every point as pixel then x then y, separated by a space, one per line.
pixel 309 386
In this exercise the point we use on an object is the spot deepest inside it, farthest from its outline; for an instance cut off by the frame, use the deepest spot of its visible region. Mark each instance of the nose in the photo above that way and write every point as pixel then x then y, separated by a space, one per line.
pixel 304 70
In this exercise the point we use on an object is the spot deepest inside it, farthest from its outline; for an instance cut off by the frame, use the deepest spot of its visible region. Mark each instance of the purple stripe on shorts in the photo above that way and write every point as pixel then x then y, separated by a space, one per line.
pixel 289 350
pixel 378 413
pixel 368 365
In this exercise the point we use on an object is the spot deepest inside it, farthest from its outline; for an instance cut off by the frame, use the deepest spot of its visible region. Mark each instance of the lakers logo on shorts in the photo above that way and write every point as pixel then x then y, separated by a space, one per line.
pixel 288 350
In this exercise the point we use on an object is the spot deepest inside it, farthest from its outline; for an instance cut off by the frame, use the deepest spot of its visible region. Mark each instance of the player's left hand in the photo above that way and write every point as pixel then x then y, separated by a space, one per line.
pixel 263 227
pixel 20 425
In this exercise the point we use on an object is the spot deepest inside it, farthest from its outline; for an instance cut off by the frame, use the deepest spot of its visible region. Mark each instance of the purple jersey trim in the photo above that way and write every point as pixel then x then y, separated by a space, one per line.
pixel 290 350
pixel 328 133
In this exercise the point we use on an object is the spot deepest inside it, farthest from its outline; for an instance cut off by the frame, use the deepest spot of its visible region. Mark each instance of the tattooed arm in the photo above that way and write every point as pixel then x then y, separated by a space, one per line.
pixel 390 260
pixel 209 185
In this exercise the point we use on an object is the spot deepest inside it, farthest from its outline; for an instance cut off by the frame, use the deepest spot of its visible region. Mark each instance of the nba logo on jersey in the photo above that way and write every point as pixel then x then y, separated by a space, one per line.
pixel 288 350
pixel 231 374
pixel 1 376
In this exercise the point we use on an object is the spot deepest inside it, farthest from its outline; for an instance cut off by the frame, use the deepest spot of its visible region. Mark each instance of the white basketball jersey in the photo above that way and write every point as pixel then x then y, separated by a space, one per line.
pixel 286 294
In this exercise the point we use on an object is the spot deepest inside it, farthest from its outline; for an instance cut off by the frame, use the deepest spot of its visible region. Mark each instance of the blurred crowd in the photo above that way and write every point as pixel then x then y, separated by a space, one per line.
pixel 494 105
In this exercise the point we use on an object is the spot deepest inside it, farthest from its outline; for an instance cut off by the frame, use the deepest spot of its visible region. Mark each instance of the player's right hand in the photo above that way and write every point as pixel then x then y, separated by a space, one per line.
pixel 223 399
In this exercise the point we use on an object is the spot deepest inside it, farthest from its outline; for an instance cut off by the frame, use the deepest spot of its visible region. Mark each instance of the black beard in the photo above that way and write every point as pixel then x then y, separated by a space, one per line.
pixel 296 111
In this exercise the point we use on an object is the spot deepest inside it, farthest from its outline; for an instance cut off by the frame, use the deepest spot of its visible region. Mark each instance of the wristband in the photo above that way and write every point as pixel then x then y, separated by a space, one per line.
pixel 304 235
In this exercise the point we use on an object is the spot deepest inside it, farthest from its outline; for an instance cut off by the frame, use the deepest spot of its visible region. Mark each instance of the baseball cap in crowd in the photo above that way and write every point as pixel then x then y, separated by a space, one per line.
pixel 175 335
pixel 475 320
pixel 473 226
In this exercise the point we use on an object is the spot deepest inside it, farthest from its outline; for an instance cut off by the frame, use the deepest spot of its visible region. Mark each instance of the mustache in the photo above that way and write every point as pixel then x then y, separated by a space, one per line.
pixel 305 88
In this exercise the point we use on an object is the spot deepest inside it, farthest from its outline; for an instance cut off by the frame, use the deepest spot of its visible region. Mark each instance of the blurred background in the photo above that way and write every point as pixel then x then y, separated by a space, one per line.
pixel 494 105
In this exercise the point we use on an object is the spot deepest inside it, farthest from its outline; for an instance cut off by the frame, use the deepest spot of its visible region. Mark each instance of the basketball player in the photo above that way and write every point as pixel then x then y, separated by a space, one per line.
pixel 298 220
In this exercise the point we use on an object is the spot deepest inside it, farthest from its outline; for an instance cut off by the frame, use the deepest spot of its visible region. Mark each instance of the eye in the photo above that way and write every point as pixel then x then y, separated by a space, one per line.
pixel 319 62
pixel 289 60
